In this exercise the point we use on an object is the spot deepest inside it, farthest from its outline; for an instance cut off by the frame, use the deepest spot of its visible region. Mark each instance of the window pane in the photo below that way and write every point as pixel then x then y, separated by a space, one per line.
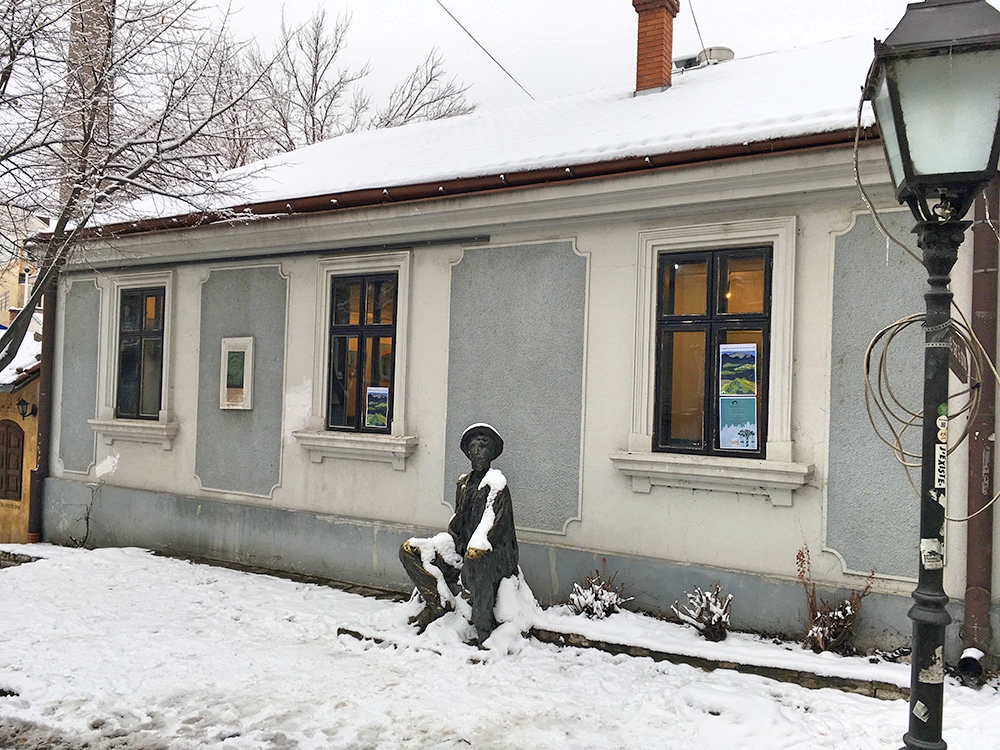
pixel 378 381
pixel 131 312
pixel 152 375
pixel 682 388
pixel 152 312
pixel 684 285
pixel 346 302
pixel 741 284
pixel 343 381
pixel 378 361
pixel 380 301
pixel 128 378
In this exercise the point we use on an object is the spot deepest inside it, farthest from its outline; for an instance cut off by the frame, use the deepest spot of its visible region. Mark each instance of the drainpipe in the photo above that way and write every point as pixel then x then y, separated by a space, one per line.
pixel 41 471
pixel 976 632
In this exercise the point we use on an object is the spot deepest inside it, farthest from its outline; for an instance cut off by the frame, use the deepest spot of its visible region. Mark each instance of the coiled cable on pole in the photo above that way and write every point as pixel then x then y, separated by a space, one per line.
pixel 891 418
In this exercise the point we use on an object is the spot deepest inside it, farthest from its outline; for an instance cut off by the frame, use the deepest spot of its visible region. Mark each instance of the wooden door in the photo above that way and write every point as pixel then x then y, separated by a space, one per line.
pixel 11 459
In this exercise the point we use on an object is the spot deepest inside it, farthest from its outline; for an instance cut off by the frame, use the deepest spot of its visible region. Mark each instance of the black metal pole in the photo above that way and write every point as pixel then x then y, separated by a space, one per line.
pixel 939 242
pixel 41 471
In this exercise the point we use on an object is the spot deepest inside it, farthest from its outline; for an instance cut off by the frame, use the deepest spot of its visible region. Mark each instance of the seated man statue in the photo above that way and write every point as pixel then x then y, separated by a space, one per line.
pixel 479 548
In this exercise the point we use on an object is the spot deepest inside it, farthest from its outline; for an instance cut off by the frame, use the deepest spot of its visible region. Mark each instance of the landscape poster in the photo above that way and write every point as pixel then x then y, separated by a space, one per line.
pixel 737 369
pixel 376 407
pixel 738 397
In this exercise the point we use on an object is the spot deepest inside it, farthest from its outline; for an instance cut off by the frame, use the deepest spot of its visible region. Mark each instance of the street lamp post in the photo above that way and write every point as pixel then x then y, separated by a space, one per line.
pixel 935 89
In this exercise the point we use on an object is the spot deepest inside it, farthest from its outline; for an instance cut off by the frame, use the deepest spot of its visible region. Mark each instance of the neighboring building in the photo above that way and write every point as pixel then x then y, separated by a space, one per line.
pixel 19 380
pixel 17 272
pixel 661 301
pixel 18 437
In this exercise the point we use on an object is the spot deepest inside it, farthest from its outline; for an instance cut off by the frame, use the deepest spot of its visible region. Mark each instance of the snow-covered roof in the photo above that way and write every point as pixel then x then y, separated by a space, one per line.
pixel 800 92
pixel 797 92
pixel 24 365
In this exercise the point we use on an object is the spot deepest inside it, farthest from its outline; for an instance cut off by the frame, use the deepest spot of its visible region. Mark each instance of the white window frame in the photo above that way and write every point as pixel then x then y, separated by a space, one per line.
pixel 775 476
pixel 109 427
pixel 396 446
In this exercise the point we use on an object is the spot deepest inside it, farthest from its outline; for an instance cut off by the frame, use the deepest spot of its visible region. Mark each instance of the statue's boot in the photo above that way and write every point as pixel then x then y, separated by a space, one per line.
pixel 426 616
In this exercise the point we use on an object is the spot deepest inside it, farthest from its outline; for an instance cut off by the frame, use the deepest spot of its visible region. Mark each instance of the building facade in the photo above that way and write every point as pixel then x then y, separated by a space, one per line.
pixel 672 351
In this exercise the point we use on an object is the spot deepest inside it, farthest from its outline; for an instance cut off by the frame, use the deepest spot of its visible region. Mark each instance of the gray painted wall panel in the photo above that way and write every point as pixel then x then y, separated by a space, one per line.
pixel 78 398
pixel 515 360
pixel 871 508
pixel 240 451
pixel 366 553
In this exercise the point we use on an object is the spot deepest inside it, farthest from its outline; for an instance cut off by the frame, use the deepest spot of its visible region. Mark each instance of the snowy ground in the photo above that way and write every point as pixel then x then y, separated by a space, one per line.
pixel 120 649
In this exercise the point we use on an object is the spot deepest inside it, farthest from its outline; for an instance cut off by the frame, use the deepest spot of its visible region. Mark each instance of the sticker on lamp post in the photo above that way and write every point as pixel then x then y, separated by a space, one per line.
pixel 738 397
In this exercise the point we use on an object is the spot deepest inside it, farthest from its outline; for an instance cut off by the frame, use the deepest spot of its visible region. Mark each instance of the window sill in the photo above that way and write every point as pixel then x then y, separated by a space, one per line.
pixel 136 431
pixel 773 479
pixel 391 449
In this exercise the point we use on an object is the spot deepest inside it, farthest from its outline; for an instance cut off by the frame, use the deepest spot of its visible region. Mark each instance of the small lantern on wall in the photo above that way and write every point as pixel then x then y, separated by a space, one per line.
pixel 25 409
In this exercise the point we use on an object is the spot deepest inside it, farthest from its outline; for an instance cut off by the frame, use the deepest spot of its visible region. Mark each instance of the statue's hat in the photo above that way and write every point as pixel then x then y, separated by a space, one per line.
pixel 477 428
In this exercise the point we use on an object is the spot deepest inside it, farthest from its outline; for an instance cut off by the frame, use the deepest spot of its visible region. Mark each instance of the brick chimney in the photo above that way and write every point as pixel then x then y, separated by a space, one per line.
pixel 655 45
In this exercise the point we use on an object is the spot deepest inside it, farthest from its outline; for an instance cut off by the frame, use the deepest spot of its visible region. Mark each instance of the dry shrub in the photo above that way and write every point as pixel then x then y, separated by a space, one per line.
pixel 829 627
pixel 707 612
pixel 597 598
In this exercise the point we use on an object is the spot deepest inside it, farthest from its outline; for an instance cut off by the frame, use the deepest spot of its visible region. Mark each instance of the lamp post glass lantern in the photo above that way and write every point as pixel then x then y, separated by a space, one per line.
pixel 935 89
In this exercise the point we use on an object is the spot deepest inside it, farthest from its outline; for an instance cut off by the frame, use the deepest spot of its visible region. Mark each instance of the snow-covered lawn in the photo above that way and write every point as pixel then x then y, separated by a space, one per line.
pixel 106 643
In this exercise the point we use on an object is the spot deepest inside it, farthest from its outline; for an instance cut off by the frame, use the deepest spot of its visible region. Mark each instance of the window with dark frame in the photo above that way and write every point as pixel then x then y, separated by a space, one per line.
pixel 140 353
pixel 712 347
pixel 362 352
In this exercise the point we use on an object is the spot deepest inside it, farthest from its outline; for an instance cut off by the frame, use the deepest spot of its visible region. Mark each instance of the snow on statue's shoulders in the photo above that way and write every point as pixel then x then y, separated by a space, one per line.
pixel 495 480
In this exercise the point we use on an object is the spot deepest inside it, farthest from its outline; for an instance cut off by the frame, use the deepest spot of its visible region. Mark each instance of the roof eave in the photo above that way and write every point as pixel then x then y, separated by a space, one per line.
pixel 491 183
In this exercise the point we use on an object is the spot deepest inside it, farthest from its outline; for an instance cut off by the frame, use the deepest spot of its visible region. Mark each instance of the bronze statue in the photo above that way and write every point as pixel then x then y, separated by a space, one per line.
pixel 479 549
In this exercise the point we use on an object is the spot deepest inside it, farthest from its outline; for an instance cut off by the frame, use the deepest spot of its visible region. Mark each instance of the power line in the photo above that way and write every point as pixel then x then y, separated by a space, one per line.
pixel 696 27
pixel 485 50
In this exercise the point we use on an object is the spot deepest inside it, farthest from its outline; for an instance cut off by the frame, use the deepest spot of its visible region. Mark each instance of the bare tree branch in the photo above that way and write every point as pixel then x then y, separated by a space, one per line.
pixel 426 94
pixel 104 101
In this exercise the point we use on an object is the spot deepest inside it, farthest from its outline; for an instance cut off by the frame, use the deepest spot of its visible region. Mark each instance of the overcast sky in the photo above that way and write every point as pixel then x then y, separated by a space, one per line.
pixel 558 47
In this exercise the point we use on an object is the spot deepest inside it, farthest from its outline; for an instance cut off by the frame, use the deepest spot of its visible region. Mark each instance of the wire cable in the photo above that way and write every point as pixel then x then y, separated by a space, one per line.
pixel 889 236
pixel 891 418
pixel 469 33
pixel 697 28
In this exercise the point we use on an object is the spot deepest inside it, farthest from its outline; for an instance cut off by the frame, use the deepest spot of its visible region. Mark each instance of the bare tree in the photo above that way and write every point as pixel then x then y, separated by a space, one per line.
pixel 102 101
pixel 312 95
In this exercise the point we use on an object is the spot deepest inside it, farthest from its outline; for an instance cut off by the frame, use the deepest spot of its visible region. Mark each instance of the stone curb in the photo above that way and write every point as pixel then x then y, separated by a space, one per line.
pixel 870 688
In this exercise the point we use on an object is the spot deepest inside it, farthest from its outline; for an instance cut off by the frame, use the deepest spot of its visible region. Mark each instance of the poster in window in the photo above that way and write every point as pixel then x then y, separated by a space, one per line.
pixel 737 397
pixel 376 407
pixel 737 369
pixel 738 423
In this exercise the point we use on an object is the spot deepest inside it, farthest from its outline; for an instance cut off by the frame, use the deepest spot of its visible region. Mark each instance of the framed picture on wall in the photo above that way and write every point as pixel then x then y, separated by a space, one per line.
pixel 236 377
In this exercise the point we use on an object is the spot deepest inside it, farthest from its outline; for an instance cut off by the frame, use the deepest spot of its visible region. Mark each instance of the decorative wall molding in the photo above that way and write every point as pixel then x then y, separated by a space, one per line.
pixel 393 449
pixel 136 431
pixel 775 480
